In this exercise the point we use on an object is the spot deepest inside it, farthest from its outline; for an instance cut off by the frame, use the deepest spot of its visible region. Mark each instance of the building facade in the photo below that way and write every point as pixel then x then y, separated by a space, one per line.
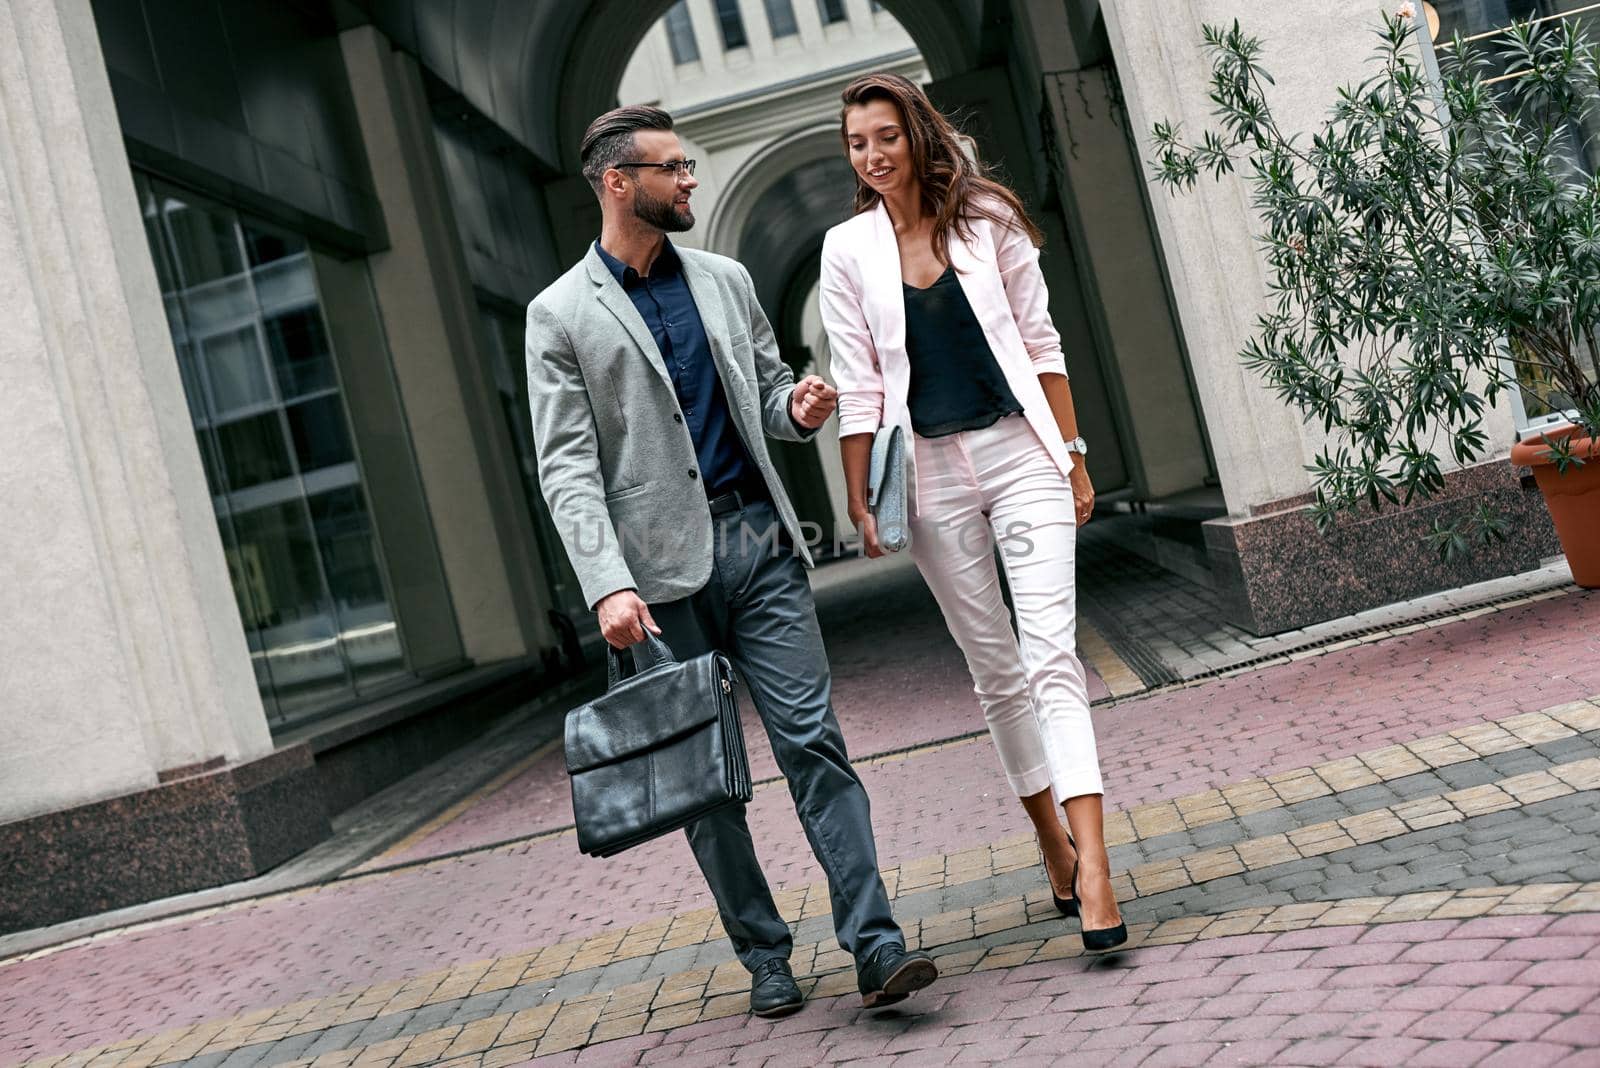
pixel 276 536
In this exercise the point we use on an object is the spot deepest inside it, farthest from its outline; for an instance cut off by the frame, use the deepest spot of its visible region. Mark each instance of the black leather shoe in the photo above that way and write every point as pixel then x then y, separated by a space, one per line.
pixel 893 974
pixel 773 991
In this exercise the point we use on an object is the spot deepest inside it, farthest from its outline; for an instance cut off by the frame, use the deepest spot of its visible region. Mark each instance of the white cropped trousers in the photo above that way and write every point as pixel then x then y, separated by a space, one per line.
pixel 976 489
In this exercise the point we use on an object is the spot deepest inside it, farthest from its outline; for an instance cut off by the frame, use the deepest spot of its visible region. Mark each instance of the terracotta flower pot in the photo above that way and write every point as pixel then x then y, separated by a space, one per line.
pixel 1573 499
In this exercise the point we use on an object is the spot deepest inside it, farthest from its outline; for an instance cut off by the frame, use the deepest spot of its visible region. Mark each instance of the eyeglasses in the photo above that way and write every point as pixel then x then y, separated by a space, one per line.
pixel 676 166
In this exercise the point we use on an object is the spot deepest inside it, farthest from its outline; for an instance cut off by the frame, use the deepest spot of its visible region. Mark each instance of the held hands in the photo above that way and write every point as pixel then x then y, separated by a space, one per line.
pixel 1082 490
pixel 623 619
pixel 812 401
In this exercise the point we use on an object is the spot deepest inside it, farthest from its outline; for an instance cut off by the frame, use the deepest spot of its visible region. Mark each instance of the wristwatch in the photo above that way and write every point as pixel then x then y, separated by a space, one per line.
pixel 1079 446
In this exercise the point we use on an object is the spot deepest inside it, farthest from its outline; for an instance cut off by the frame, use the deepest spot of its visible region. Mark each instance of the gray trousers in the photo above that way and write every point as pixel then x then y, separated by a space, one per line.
pixel 757 609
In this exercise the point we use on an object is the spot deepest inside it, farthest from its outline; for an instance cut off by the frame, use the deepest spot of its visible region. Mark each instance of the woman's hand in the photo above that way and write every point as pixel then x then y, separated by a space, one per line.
pixel 1082 490
pixel 867 523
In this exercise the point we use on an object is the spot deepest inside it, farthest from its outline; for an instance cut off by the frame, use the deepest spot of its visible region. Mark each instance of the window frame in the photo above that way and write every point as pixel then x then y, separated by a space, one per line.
pixel 678 24
pixel 825 9
pixel 730 23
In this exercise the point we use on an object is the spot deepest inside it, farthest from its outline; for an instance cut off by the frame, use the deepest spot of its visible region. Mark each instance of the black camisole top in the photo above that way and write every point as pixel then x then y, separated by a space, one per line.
pixel 956 383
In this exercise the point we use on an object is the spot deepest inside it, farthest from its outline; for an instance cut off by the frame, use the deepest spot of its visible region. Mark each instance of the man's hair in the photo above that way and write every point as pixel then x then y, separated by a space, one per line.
pixel 609 139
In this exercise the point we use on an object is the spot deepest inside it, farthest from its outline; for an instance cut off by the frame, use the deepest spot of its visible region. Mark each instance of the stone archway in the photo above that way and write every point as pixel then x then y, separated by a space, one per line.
pixel 783 155
pixel 779 212
pixel 948 34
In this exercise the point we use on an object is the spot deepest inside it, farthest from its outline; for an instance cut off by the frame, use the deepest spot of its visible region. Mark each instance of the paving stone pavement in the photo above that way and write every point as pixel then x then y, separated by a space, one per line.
pixel 1142 606
pixel 911 651
pixel 450 960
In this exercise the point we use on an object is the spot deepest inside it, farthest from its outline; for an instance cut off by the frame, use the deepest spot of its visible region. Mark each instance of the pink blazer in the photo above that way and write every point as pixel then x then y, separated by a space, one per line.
pixel 863 310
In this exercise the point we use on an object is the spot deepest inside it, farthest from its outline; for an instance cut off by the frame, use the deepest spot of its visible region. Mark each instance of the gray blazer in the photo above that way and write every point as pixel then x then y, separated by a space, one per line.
pixel 616 461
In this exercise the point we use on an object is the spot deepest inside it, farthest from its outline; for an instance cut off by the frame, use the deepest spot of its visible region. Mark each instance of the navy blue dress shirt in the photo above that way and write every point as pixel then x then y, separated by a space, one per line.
pixel 668 309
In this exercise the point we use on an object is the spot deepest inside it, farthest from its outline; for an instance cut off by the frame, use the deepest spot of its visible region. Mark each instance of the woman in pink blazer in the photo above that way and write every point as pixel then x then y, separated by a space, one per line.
pixel 938 321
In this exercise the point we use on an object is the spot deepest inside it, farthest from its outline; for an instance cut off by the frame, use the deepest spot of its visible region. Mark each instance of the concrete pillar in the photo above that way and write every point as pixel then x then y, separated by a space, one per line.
pixel 122 649
pixel 419 589
pixel 1219 276
pixel 707 37
pixel 1273 570
pixel 985 99
pixel 1123 284
pixel 809 19
pixel 574 218
pixel 137 761
pixel 425 296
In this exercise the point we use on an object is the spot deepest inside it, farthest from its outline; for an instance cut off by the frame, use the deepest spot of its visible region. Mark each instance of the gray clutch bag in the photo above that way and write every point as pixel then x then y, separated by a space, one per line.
pixel 886 487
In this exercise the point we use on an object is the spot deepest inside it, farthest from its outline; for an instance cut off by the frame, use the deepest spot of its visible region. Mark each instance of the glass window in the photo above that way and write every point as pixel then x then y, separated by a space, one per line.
pixel 263 246
pixel 320 436
pixel 235 371
pixel 780 18
pixel 680 33
pixel 345 540
pixel 209 461
pixel 1481 21
pixel 300 355
pixel 280 460
pixel 253 451
pixel 205 245
pixel 832 11
pixel 730 24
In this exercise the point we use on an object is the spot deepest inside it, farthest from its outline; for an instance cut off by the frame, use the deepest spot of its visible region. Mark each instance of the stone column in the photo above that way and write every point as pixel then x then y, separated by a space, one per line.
pixel 123 668
pixel 574 217
pixel 424 291
pixel 1219 276
pixel 1273 570
pixel 1123 283
pixel 986 100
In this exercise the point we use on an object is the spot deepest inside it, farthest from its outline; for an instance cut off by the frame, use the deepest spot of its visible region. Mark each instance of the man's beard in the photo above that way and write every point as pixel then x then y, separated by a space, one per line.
pixel 662 214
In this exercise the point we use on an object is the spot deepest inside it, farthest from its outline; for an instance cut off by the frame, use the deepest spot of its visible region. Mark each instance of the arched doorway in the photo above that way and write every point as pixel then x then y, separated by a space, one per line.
pixel 1036 89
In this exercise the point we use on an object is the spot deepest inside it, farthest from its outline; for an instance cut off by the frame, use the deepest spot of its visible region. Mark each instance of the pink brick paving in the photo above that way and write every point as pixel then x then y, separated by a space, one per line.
pixel 911 656
pixel 492 904
pixel 1381 996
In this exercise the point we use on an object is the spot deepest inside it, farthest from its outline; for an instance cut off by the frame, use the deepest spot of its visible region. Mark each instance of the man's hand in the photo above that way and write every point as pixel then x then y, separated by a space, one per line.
pixel 623 619
pixel 812 401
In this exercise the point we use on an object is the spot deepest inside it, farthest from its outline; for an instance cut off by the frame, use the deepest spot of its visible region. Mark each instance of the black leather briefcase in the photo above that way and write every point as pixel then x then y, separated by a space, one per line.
pixel 660 749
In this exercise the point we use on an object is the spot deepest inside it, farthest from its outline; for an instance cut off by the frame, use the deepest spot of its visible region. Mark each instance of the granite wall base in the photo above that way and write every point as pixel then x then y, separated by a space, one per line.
pixel 216 826
pixel 1273 571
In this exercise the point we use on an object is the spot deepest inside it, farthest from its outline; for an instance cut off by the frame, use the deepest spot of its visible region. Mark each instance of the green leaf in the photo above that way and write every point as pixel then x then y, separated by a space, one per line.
pixel 1416 267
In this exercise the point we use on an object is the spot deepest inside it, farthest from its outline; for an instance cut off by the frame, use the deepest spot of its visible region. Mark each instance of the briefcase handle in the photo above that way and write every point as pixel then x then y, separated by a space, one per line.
pixel 641 656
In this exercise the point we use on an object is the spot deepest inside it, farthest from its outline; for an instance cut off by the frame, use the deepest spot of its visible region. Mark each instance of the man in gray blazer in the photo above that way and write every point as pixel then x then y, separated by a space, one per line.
pixel 654 378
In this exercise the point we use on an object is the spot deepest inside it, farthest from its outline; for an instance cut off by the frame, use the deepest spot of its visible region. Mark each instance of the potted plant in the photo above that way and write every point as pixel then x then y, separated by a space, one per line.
pixel 1434 243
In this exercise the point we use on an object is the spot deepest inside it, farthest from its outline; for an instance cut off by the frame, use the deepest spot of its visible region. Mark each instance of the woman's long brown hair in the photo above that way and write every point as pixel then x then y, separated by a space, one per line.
pixel 955 189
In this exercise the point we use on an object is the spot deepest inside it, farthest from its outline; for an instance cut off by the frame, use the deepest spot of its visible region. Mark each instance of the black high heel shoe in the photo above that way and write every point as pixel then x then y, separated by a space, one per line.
pixel 1099 939
pixel 1067 906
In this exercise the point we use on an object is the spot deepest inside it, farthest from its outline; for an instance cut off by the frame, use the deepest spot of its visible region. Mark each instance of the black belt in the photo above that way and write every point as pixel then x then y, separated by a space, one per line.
pixel 738 498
